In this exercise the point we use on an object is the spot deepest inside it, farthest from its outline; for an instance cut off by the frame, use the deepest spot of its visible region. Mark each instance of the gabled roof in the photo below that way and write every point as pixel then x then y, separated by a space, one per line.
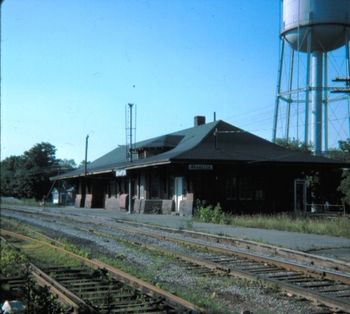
pixel 212 142
pixel 165 141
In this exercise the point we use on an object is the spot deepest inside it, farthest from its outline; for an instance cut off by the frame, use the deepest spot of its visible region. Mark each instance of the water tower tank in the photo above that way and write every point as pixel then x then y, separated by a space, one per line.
pixel 315 28
pixel 325 21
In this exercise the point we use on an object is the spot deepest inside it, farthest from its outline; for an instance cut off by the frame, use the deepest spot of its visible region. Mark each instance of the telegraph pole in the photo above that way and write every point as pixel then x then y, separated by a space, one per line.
pixel 130 159
pixel 86 153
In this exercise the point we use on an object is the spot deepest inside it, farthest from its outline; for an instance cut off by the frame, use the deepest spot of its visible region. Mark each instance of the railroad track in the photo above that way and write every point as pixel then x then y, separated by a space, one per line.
pixel 331 288
pixel 96 287
pixel 246 245
pixel 323 286
pixel 298 256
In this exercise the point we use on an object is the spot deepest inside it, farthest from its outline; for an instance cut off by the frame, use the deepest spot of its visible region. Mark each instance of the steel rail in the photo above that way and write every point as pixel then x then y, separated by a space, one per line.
pixel 327 300
pixel 324 274
pixel 146 288
pixel 63 294
pixel 314 260
pixel 313 295
pixel 214 267
pixel 311 259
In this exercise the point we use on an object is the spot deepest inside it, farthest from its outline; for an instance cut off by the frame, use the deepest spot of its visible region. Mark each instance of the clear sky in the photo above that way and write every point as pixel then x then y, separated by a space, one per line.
pixel 70 67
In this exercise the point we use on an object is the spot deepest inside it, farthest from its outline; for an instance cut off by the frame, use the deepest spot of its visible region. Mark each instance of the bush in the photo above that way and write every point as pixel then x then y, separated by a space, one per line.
pixel 12 262
pixel 210 214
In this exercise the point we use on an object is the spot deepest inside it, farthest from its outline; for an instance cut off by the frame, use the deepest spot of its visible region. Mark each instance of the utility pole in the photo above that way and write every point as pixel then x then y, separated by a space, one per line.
pixel 83 183
pixel 130 158
pixel 86 153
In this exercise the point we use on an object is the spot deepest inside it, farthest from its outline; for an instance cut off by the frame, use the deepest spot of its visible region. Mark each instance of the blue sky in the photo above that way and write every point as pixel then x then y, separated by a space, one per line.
pixel 70 67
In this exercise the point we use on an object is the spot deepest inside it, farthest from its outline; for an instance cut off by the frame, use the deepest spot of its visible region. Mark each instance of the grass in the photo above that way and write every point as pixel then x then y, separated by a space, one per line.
pixel 45 256
pixel 12 261
pixel 336 226
pixel 39 253
pixel 42 255
pixel 21 227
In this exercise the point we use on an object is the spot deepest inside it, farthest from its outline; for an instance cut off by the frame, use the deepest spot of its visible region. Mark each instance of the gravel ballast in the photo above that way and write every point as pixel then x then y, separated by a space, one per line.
pixel 101 238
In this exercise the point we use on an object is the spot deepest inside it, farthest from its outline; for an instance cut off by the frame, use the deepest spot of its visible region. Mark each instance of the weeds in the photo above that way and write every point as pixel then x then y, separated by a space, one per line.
pixel 189 224
pixel 12 261
pixel 39 300
pixel 36 299
pixel 337 226
pixel 73 248
pixel 210 214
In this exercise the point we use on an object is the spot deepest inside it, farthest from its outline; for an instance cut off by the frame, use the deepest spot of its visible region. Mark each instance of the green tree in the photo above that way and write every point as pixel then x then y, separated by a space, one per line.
pixel 82 164
pixel 66 164
pixel 344 186
pixel 294 144
pixel 39 165
pixel 10 173
pixel 343 154
pixel 28 175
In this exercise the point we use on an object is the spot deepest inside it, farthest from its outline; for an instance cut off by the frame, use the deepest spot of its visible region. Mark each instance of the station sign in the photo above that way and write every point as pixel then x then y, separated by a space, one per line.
pixel 200 167
pixel 120 173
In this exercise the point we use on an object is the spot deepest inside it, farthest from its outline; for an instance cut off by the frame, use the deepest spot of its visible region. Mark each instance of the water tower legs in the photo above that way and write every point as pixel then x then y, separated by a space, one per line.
pixel 347 56
pixel 278 92
pixel 325 101
pixel 347 50
pixel 307 90
pixel 290 87
pixel 317 89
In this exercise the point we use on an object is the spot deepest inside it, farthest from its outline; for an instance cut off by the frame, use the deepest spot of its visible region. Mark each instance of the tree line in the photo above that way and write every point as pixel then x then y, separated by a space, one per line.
pixel 28 175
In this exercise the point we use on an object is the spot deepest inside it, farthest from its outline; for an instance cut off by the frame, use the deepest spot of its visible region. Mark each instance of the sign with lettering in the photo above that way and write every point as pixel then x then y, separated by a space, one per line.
pixel 200 167
pixel 120 173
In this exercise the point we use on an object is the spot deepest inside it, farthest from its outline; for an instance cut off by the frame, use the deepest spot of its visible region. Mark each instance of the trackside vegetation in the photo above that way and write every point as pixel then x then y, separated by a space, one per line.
pixel 155 273
pixel 336 226
pixel 27 176
pixel 35 299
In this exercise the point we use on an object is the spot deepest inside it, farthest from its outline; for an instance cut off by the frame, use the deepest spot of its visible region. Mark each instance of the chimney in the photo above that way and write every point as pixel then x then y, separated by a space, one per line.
pixel 199 120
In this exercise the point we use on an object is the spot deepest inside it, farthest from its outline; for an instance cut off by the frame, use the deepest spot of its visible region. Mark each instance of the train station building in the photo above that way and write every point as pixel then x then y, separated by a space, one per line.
pixel 214 162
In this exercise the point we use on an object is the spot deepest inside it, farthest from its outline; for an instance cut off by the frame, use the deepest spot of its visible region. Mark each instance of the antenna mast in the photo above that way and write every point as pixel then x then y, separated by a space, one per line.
pixel 130 130
pixel 130 133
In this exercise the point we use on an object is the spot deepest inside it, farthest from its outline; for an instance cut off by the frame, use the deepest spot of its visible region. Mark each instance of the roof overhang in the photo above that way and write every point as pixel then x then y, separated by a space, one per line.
pixel 145 165
pixel 81 174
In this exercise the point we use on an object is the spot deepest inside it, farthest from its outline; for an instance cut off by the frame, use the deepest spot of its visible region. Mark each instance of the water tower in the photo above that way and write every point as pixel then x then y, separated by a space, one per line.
pixel 311 30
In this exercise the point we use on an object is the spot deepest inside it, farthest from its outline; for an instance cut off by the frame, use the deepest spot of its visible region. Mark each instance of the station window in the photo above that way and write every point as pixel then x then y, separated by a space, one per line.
pixel 246 189
pixel 259 195
pixel 231 188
